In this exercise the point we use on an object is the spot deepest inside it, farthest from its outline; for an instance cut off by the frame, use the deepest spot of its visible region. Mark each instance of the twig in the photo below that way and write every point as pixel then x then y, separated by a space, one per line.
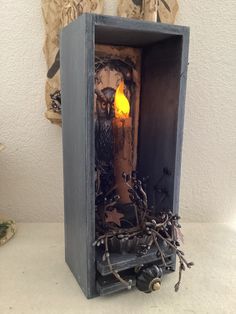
pixel 181 269
pixel 159 249
pixel 114 272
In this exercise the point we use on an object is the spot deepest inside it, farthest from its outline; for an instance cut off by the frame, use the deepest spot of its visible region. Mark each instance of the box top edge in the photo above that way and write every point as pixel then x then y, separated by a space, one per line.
pixel 122 23
pixel 134 23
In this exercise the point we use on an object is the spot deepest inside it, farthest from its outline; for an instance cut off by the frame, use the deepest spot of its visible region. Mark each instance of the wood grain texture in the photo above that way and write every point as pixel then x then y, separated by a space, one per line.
pixel 78 146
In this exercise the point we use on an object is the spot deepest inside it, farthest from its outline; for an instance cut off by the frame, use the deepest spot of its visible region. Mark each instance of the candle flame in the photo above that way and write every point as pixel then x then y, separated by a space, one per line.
pixel 122 107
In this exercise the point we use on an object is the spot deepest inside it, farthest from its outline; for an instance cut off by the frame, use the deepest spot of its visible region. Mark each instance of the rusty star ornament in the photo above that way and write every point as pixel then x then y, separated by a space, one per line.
pixel 114 216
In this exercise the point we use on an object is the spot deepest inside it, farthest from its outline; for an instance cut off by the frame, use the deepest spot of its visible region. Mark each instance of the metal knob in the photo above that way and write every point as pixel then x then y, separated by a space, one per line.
pixel 149 279
pixel 156 286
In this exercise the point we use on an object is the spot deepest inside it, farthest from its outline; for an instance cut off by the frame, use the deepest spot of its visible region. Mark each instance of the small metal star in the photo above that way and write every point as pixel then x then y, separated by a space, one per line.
pixel 114 216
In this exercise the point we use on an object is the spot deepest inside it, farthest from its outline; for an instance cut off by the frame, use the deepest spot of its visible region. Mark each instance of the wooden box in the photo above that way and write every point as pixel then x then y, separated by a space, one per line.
pixel 164 60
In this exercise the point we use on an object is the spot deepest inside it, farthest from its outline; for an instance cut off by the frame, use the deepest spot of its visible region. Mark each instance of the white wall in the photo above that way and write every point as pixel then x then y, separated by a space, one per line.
pixel 208 187
pixel 31 187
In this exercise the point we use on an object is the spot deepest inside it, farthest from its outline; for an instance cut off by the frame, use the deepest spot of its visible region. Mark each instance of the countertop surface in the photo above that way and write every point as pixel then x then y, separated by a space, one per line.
pixel 35 279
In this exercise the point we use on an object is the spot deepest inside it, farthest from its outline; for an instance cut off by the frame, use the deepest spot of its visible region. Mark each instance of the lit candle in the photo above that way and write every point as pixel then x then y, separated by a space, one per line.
pixel 122 129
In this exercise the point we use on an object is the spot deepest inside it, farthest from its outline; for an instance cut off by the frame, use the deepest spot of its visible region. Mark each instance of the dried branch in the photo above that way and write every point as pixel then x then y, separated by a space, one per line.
pixel 115 272
pixel 151 229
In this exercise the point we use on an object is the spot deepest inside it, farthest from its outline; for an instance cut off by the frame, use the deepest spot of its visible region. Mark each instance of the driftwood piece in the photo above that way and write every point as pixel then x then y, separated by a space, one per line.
pixel 151 10
pixel 57 14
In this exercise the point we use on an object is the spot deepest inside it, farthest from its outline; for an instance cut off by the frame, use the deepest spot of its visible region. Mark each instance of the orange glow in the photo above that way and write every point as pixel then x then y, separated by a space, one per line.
pixel 122 107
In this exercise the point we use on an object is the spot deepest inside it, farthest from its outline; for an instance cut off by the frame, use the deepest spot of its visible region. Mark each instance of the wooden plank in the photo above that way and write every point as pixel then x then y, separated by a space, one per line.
pixel 106 287
pixel 77 60
pixel 125 261
pixel 158 120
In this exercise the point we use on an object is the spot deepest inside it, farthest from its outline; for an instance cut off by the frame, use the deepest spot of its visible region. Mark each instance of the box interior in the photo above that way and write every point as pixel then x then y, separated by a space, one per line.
pixel 157 127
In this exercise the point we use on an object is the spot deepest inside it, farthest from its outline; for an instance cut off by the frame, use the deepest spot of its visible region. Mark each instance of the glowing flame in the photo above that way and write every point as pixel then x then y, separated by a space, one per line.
pixel 122 107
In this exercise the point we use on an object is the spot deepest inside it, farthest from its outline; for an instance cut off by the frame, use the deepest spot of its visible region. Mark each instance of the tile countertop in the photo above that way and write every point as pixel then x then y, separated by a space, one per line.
pixel 35 279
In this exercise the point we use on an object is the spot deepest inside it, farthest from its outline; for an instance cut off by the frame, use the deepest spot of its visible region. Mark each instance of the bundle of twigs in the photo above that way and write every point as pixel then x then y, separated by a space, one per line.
pixel 158 230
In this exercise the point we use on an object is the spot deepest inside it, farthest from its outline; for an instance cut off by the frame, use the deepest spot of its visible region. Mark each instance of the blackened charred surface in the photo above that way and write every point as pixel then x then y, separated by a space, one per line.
pixel 158 119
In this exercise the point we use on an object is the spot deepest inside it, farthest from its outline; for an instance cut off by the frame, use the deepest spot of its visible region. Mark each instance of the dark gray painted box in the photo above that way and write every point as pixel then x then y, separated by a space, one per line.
pixel 164 67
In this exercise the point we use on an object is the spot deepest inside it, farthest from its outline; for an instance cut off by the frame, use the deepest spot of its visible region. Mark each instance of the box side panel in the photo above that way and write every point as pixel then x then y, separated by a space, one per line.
pixel 158 120
pixel 180 121
pixel 77 120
